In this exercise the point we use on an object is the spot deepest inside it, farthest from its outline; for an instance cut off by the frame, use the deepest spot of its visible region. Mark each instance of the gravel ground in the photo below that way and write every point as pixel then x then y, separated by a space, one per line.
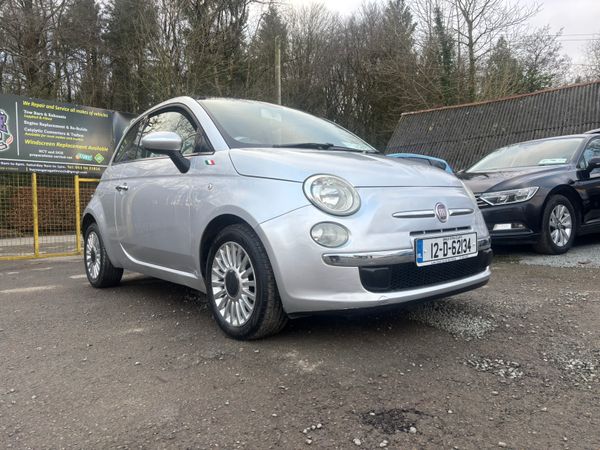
pixel 584 254
pixel 512 365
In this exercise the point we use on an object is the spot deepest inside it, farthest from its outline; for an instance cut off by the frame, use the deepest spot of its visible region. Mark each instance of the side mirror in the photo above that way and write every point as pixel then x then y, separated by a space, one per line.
pixel 169 144
pixel 593 163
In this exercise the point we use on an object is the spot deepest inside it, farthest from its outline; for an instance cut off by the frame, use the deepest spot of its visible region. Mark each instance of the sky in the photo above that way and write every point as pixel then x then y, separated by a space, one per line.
pixel 578 19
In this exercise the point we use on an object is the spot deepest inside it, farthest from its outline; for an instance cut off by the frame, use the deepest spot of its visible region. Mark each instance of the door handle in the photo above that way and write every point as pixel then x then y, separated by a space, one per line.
pixel 122 187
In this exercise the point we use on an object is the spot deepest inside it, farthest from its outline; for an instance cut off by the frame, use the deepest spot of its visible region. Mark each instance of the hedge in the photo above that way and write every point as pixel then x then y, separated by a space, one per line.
pixel 56 209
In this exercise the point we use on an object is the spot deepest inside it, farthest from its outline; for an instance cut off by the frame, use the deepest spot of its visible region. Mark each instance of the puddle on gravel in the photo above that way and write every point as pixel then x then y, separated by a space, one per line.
pixel 393 420
pixel 453 317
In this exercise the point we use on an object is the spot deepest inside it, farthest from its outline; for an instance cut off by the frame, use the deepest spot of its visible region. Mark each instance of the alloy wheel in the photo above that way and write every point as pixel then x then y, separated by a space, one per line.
pixel 561 225
pixel 233 284
pixel 92 255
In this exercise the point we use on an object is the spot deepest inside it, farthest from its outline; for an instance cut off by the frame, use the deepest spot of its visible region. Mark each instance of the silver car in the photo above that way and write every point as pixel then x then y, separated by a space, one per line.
pixel 274 213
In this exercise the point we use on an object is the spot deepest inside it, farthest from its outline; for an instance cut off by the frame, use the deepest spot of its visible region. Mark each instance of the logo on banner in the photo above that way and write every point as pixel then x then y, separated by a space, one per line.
pixel 84 157
pixel 6 138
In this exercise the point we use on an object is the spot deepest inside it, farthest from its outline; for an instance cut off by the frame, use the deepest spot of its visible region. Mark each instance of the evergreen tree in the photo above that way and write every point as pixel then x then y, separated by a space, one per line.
pixel 132 26
pixel 82 46
pixel 261 61
pixel 446 59
pixel 503 73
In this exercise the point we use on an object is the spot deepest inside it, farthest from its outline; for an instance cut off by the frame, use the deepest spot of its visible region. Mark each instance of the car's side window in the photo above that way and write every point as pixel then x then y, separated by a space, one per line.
pixel 129 149
pixel 592 150
pixel 193 139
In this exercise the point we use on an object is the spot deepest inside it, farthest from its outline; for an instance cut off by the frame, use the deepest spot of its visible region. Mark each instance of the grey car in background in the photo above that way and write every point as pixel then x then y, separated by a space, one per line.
pixel 274 213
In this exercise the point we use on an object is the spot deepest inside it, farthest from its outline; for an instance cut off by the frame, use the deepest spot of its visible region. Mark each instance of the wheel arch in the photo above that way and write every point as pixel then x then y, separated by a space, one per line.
pixel 211 231
pixel 86 221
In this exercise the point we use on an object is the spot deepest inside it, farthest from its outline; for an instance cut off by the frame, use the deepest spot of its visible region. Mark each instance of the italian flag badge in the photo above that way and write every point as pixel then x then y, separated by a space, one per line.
pixel 209 162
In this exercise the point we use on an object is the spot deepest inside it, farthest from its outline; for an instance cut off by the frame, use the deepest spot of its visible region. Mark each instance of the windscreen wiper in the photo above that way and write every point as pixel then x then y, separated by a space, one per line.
pixel 322 146
pixel 315 145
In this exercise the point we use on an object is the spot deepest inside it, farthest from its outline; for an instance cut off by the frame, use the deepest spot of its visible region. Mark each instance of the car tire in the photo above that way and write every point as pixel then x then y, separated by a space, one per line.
pixel 98 268
pixel 241 286
pixel 559 226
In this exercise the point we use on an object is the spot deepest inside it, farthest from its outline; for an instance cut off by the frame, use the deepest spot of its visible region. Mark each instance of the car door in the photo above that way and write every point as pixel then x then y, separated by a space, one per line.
pixel 152 205
pixel 106 191
pixel 589 186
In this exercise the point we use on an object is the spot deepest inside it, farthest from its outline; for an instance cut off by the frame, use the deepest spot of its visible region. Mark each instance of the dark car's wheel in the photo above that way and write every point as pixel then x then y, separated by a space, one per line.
pixel 98 268
pixel 241 286
pixel 559 226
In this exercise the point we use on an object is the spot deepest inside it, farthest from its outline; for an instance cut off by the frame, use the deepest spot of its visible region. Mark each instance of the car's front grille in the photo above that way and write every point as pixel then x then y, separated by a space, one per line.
pixel 404 276
pixel 439 230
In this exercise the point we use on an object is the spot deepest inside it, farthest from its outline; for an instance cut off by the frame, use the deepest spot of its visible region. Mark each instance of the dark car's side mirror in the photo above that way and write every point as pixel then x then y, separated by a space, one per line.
pixel 169 144
pixel 592 164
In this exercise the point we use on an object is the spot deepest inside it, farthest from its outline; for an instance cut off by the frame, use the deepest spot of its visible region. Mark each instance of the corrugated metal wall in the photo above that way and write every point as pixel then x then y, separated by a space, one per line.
pixel 462 135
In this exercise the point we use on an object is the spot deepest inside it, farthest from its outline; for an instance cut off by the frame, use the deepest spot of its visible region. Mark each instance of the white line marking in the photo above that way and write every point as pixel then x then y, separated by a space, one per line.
pixel 27 289
pixel 78 277
pixel 12 273
pixel 43 268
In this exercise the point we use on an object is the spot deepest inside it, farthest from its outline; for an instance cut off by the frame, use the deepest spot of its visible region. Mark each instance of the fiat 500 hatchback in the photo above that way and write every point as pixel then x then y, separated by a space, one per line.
pixel 274 213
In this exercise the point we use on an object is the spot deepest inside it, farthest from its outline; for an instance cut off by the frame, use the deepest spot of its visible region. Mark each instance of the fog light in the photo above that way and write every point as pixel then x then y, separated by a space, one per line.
pixel 329 234
pixel 508 226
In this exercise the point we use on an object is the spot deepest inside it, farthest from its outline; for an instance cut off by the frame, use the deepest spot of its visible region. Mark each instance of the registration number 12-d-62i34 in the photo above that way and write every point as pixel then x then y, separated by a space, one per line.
pixel 445 249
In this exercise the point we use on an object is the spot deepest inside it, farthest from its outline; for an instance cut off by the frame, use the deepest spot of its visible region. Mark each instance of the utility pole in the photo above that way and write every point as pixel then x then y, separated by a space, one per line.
pixel 278 69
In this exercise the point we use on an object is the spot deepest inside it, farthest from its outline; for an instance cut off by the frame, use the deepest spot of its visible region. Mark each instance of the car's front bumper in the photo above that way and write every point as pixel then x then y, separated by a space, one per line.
pixel 524 219
pixel 312 278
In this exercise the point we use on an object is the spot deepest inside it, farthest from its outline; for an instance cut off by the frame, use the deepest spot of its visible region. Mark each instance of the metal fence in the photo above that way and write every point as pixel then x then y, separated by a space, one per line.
pixel 40 215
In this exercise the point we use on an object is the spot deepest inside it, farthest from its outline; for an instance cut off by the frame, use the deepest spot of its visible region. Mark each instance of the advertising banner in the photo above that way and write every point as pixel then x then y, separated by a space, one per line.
pixel 57 138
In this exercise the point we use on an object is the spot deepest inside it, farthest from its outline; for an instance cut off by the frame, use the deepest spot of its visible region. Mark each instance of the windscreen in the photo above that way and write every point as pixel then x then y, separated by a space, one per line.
pixel 533 153
pixel 245 123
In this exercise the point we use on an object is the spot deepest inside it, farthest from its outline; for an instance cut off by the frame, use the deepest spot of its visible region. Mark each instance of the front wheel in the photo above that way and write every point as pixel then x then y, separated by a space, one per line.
pixel 241 285
pixel 98 268
pixel 559 226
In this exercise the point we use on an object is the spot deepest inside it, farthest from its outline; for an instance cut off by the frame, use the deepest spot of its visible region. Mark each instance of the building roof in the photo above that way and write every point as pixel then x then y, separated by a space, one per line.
pixel 463 134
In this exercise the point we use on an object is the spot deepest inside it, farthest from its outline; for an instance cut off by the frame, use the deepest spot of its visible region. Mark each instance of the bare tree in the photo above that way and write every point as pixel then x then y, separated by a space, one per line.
pixel 544 65
pixel 592 68
pixel 480 24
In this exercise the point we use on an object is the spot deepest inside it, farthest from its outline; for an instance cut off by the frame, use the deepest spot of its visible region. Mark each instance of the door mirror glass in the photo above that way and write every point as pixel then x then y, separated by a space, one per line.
pixel 166 143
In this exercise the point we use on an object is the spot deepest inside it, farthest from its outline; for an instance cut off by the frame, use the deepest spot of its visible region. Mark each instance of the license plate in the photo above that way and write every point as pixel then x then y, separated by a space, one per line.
pixel 445 249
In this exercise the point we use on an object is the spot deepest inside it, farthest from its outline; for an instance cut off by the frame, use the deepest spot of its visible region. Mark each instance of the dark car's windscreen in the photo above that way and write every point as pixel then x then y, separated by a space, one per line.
pixel 254 124
pixel 526 154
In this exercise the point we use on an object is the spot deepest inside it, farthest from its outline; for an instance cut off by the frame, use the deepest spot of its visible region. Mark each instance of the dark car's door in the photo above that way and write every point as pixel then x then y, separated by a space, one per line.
pixel 589 186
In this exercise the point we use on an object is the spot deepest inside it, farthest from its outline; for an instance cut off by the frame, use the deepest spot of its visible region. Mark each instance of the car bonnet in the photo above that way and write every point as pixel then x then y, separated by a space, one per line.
pixel 360 169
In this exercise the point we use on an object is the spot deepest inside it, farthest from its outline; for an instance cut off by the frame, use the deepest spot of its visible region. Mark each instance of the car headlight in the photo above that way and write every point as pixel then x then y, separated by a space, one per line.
pixel 332 195
pixel 507 197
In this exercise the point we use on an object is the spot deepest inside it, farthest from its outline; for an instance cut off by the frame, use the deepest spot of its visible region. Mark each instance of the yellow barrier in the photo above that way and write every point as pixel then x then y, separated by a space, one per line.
pixel 40 215
pixel 36 224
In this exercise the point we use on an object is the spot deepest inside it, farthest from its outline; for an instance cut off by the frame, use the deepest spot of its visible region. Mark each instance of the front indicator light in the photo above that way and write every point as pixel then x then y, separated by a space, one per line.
pixel 329 234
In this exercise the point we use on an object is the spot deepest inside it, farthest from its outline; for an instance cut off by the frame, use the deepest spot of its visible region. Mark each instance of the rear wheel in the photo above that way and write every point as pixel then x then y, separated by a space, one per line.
pixel 559 226
pixel 98 268
pixel 241 285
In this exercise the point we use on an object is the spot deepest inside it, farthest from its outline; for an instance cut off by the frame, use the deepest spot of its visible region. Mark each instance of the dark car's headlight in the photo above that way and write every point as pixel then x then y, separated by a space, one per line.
pixel 332 194
pixel 508 197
